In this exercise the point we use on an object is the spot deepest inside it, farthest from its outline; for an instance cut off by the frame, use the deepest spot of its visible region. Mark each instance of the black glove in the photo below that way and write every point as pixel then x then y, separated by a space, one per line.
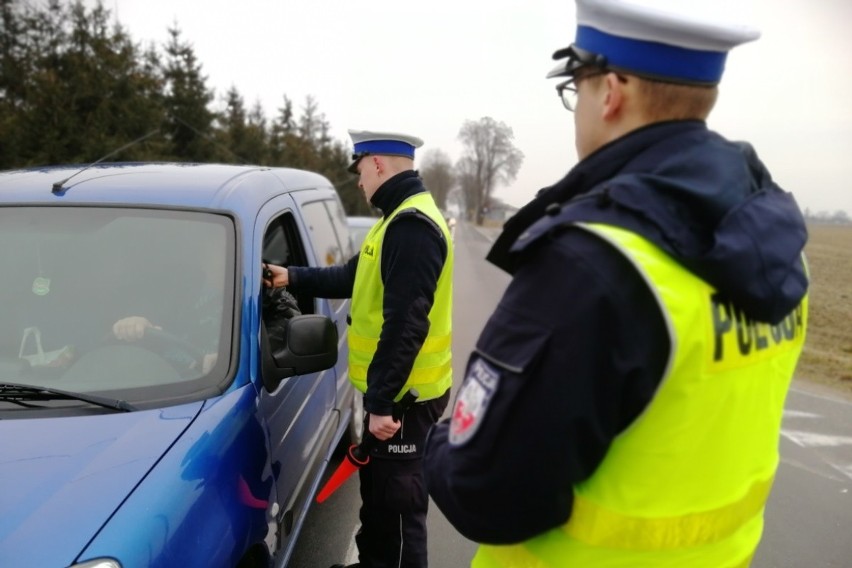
pixel 279 305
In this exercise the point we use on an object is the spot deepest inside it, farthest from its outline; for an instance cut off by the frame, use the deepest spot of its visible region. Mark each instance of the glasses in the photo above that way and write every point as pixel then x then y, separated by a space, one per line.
pixel 567 90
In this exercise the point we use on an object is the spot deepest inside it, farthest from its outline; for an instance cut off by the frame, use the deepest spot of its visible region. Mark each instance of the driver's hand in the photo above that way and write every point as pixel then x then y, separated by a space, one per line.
pixel 208 362
pixel 132 328
pixel 275 276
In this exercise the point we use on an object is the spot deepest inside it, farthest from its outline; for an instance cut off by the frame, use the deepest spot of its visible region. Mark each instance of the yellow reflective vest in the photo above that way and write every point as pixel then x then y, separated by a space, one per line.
pixel 432 372
pixel 685 485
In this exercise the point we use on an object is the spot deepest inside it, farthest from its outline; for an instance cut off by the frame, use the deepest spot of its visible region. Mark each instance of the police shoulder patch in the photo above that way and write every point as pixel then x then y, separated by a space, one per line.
pixel 472 401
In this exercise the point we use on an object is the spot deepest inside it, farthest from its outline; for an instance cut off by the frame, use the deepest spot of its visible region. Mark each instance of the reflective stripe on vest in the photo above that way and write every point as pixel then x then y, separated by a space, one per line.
pixel 520 556
pixel 599 526
pixel 686 483
pixel 432 370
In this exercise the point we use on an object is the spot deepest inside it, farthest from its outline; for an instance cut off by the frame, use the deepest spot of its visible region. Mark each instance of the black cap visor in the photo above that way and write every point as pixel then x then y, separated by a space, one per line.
pixel 353 167
pixel 576 59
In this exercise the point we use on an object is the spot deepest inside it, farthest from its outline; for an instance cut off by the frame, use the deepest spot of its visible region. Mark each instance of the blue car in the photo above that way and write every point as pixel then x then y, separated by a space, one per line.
pixel 149 416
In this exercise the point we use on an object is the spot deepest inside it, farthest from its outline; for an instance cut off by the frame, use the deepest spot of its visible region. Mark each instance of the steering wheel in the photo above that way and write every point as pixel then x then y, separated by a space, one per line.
pixel 180 353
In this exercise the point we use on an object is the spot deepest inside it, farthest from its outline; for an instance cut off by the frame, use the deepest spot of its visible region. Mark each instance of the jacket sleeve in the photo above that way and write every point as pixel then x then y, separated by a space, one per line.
pixel 570 357
pixel 324 282
pixel 413 255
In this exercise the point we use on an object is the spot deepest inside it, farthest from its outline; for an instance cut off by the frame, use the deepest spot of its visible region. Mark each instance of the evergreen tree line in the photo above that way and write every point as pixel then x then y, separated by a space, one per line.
pixel 74 87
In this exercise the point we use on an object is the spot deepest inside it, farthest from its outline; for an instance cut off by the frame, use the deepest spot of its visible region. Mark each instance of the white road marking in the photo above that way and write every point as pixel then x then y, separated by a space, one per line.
pixel 811 440
pixel 805 467
pixel 824 395
pixel 800 414
pixel 844 469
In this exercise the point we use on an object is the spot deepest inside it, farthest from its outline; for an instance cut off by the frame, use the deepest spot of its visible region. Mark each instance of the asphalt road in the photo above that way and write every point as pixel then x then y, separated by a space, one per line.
pixel 809 514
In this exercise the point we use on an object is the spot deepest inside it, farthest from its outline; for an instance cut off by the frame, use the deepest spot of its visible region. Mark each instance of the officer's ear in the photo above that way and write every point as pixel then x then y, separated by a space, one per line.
pixel 614 97
pixel 379 164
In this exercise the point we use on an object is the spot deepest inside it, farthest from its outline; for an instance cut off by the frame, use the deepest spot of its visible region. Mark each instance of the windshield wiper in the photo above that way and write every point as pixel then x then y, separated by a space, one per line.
pixel 14 392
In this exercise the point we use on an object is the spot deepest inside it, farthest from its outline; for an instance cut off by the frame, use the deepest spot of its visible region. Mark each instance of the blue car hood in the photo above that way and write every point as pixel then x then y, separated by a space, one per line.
pixel 62 478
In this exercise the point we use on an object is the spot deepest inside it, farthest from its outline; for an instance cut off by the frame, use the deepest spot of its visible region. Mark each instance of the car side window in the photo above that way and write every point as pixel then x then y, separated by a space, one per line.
pixel 338 220
pixel 283 246
pixel 324 238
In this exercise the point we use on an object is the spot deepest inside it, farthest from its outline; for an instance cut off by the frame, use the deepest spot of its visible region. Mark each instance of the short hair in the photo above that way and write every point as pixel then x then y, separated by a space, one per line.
pixel 674 101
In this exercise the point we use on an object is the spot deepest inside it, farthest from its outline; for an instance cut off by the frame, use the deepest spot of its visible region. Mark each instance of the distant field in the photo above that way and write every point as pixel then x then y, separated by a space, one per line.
pixel 827 358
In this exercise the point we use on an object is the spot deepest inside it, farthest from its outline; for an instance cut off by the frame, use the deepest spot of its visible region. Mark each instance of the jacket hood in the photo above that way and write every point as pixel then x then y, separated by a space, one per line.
pixel 64 477
pixel 722 217
pixel 708 202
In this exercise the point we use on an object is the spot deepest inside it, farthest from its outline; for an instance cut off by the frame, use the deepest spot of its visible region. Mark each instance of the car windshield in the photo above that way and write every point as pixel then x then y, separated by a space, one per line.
pixel 138 301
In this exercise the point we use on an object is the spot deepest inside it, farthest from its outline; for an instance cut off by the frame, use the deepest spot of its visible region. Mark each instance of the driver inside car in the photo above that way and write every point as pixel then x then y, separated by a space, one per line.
pixel 190 341
pixel 278 307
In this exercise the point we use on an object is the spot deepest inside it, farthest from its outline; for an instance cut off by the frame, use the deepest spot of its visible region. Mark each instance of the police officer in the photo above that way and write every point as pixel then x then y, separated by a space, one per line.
pixel 400 337
pixel 623 403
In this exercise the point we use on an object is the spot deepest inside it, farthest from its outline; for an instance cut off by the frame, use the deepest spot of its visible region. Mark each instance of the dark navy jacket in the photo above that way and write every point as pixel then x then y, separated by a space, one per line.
pixel 413 255
pixel 577 346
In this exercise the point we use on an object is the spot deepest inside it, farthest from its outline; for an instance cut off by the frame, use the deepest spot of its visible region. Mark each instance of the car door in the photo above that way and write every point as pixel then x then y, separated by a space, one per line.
pixel 326 224
pixel 300 411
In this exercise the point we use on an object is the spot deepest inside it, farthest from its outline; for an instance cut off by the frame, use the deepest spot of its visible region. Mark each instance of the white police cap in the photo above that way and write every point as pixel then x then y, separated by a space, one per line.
pixel 365 143
pixel 676 41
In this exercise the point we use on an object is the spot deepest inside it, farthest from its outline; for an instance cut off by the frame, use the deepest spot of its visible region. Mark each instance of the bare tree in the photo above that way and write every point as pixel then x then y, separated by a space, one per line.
pixel 466 178
pixel 437 173
pixel 489 159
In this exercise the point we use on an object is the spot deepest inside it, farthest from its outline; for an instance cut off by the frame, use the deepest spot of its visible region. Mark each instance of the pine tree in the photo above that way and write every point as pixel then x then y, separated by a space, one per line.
pixel 189 122
pixel 11 83
pixel 80 87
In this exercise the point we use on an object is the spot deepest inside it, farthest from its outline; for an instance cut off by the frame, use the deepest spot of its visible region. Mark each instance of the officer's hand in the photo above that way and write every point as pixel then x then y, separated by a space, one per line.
pixel 383 427
pixel 132 328
pixel 275 276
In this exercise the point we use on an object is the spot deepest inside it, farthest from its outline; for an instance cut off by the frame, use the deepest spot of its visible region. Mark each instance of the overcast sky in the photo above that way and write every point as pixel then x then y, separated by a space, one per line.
pixel 424 67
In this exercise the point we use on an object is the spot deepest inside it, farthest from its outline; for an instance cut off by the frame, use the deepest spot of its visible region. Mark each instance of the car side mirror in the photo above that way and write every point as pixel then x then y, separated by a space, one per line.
pixel 311 346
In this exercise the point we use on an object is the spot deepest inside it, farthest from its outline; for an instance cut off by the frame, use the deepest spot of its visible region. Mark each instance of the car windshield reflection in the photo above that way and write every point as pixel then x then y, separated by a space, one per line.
pixel 115 299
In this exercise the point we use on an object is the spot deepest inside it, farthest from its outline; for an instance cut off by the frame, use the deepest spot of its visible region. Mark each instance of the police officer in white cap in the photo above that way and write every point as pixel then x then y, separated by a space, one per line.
pixel 400 337
pixel 623 404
